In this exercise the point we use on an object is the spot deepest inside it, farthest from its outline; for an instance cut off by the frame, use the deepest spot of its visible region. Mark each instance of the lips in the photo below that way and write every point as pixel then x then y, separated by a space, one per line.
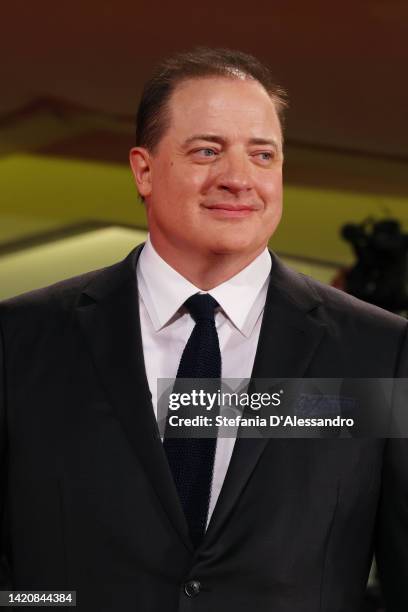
pixel 225 210
pixel 231 207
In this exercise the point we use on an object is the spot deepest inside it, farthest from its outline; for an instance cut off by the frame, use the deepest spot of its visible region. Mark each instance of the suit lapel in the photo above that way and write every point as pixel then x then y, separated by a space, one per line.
pixel 108 314
pixel 290 333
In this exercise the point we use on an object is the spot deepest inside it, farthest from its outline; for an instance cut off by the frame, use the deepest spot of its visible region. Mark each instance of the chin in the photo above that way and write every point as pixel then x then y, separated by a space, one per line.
pixel 234 246
pixel 243 239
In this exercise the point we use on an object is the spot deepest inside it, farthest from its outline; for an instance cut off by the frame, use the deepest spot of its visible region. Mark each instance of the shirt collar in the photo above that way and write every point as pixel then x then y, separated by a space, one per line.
pixel 163 290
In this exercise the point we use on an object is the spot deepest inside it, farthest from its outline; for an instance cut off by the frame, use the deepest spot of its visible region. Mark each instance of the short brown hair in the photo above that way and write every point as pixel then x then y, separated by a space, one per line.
pixel 152 118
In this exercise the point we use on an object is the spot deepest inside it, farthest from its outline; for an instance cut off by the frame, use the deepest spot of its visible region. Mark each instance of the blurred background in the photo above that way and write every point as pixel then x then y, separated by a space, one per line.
pixel 71 75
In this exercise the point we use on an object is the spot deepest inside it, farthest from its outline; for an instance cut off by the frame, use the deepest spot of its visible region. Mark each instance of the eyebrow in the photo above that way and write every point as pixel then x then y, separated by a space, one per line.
pixel 220 140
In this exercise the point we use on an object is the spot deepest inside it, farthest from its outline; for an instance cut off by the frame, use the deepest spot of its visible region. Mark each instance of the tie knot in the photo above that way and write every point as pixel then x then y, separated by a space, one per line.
pixel 201 306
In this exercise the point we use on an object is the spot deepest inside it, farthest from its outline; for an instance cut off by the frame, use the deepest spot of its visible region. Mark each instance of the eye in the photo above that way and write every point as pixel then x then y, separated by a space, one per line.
pixel 264 156
pixel 206 152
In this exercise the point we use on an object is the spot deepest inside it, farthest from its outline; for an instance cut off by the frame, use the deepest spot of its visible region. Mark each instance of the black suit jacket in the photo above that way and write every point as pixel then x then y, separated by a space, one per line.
pixel 87 501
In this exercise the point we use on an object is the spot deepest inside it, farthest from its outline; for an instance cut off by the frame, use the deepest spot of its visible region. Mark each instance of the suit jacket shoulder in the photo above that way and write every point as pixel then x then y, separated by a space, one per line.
pixel 47 307
pixel 354 338
pixel 336 303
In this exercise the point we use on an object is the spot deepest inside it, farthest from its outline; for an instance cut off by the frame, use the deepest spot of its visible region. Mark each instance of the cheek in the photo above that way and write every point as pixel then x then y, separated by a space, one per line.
pixel 272 193
pixel 179 187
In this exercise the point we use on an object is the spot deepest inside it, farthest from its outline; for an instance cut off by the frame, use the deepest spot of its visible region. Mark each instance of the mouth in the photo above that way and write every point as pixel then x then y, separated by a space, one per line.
pixel 230 210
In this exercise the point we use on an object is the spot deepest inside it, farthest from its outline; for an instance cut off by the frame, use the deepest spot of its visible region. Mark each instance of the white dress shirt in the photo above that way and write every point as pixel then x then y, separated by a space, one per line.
pixel 166 328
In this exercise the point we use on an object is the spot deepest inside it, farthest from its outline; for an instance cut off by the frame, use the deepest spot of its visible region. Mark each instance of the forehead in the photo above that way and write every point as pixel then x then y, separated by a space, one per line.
pixel 235 105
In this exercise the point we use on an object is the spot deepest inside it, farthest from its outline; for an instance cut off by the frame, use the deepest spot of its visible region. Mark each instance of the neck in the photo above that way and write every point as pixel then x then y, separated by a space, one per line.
pixel 209 270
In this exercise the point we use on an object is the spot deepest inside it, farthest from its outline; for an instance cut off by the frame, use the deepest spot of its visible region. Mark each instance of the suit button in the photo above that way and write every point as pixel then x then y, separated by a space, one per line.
pixel 192 588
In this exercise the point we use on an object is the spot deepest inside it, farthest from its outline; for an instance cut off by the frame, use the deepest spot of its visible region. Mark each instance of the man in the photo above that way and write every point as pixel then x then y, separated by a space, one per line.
pixel 91 497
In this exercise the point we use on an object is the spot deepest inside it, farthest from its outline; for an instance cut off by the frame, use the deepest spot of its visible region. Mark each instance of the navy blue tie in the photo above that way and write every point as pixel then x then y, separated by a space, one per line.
pixel 191 460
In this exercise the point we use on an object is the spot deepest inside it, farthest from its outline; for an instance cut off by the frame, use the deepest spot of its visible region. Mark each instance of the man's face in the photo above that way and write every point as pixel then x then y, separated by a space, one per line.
pixel 214 184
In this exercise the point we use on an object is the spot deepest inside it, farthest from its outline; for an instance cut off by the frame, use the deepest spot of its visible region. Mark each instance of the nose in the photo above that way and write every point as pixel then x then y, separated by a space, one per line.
pixel 235 173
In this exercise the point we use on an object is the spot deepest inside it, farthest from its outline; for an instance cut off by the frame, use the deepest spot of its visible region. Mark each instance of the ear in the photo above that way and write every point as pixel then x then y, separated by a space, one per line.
pixel 140 162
